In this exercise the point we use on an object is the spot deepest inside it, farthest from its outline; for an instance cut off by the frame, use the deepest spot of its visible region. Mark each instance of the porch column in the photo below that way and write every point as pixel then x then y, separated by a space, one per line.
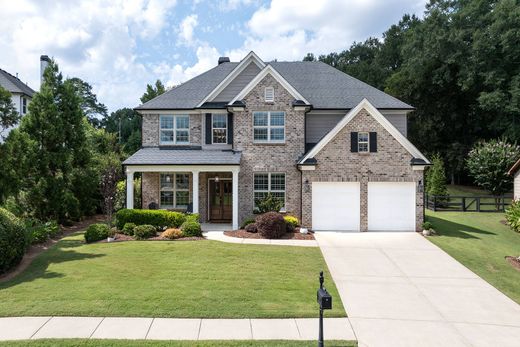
pixel 235 199
pixel 129 189
pixel 195 189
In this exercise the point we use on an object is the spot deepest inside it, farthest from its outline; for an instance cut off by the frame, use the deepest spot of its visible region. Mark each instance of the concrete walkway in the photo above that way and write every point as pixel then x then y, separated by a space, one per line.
pixel 21 328
pixel 399 289
pixel 219 236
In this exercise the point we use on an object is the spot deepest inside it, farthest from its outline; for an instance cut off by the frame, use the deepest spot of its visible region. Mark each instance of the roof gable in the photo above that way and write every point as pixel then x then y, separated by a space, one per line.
pixel 14 84
pixel 269 70
pixel 365 104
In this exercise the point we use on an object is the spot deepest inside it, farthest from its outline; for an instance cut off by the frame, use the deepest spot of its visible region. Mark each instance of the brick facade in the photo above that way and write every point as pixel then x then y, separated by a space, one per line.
pixel 336 163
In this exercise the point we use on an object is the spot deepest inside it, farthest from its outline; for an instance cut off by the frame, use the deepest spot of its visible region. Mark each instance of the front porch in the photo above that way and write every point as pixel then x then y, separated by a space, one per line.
pixel 210 191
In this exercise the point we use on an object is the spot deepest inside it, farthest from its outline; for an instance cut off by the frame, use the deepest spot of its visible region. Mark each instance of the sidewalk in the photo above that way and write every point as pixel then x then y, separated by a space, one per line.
pixel 20 328
pixel 219 236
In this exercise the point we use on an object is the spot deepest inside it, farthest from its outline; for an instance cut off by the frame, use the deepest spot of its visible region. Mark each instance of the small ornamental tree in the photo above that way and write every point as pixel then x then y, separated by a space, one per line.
pixel 436 178
pixel 488 164
pixel 109 180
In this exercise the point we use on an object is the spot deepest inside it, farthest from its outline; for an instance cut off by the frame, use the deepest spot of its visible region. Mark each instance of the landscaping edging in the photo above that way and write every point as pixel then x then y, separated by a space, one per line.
pixel 220 236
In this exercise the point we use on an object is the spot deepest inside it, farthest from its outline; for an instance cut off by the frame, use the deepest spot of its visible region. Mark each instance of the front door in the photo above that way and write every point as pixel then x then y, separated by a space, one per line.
pixel 220 200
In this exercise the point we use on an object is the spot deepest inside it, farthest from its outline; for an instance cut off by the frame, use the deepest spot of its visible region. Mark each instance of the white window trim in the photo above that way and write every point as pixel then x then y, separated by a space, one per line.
pixel 271 90
pixel 174 129
pixel 212 128
pixel 269 127
pixel 360 142
pixel 269 190
pixel 174 190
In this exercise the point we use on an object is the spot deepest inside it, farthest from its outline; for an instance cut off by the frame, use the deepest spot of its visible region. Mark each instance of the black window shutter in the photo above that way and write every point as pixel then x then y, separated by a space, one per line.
pixel 353 142
pixel 208 128
pixel 230 128
pixel 373 142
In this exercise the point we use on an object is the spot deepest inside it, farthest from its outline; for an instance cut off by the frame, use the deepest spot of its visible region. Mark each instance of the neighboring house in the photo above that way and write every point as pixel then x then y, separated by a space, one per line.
pixel 516 179
pixel 332 147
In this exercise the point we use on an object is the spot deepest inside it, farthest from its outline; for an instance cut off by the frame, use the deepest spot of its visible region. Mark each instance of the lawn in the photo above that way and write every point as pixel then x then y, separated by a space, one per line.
pixel 198 279
pixel 480 241
pixel 146 343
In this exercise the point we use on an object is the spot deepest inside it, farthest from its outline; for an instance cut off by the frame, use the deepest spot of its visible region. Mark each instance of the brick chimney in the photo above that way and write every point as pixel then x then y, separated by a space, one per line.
pixel 44 62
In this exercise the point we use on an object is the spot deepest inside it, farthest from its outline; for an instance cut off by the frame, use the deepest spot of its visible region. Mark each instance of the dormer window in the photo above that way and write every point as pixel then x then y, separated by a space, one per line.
pixel 269 94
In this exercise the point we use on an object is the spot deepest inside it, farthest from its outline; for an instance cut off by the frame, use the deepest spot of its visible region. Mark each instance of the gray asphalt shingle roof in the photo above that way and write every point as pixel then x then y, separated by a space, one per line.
pixel 172 156
pixel 13 84
pixel 324 86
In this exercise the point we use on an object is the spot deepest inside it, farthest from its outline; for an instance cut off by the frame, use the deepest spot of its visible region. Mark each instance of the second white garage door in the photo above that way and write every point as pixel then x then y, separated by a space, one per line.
pixel 335 206
pixel 391 206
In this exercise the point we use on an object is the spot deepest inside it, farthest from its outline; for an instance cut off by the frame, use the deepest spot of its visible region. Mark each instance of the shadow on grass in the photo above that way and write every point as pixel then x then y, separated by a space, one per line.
pixel 59 253
pixel 444 227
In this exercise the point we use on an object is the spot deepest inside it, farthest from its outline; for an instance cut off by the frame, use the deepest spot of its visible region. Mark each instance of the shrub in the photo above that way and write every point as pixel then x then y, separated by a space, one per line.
pixel 192 217
pixel 427 226
pixel 292 220
pixel 39 231
pixel 190 228
pixel 513 216
pixel 172 233
pixel 158 218
pixel 247 222
pixel 128 229
pixel 269 203
pixel 252 228
pixel 271 225
pixel 143 232
pixel 13 240
pixel 96 232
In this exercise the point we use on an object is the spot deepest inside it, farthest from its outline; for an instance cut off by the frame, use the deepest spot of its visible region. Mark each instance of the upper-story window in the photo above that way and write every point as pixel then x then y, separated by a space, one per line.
pixel 269 94
pixel 269 127
pixel 363 142
pixel 24 105
pixel 219 128
pixel 175 129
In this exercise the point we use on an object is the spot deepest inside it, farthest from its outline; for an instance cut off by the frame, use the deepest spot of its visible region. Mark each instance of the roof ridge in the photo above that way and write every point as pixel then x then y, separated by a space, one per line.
pixel 17 79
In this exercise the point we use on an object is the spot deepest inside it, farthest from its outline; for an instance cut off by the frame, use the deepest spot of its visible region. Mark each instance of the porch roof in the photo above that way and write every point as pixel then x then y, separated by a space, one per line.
pixel 176 156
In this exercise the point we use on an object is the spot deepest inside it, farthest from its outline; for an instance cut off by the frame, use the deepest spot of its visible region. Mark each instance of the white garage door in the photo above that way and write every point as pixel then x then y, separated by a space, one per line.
pixel 335 206
pixel 391 206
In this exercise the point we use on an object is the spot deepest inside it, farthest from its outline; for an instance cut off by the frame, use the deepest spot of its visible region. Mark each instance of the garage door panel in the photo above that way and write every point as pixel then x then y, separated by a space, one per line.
pixel 391 206
pixel 335 206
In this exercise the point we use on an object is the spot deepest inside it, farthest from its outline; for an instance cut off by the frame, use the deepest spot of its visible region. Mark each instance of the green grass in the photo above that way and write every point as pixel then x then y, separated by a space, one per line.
pixel 480 241
pixel 454 189
pixel 202 279
pixel 145 343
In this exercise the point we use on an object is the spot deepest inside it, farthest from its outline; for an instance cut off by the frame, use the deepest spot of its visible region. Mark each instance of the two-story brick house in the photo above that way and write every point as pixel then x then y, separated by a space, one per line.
pixel 333 148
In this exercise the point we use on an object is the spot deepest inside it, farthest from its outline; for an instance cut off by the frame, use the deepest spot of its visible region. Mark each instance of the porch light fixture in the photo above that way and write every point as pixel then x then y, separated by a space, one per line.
pixel 420 186
pixel 216 179
pixel 306 186
pixel 168 179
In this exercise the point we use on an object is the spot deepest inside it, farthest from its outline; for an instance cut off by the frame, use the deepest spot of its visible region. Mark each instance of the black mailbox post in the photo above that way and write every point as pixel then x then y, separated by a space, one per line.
pixel 325 302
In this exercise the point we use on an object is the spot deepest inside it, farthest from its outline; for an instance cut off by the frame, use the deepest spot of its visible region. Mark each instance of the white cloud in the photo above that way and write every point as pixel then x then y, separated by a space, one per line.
pixel 186 28
pixel 232 5
pixel 288 29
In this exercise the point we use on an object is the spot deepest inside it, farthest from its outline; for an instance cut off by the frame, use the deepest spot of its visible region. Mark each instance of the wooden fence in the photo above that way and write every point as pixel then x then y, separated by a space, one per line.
pixel 468 203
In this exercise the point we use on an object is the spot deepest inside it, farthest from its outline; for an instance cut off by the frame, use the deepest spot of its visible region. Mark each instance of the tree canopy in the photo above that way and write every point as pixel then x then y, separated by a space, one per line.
pixel 152 91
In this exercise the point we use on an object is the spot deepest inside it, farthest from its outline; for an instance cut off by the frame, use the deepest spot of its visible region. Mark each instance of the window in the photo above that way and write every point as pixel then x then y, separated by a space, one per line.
pixel 265 183
pixel 269 94
pixel 175 130
pixel 175 190
pixel 219 128
pixel 363 142
pixel 24 105
pixel 269 127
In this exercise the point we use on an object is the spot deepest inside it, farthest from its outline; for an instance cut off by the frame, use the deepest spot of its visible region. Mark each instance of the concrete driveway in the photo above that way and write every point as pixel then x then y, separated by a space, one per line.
pixel 401 290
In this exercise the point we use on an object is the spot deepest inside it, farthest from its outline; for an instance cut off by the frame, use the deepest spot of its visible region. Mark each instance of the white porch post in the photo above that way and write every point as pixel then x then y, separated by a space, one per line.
pixel 129 189
pixel 195 188
pixel 235 199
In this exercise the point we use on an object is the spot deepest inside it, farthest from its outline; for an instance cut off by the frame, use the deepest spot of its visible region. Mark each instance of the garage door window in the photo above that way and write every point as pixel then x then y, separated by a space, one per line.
pixel 265 183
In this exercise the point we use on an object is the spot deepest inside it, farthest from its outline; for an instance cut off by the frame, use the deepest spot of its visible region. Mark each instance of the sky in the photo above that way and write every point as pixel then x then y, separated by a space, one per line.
pixel 119 46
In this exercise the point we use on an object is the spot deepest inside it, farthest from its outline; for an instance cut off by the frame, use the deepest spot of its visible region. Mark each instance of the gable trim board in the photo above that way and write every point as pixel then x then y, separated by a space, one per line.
pixel 374 112
pixel 269 69
pixel 250 58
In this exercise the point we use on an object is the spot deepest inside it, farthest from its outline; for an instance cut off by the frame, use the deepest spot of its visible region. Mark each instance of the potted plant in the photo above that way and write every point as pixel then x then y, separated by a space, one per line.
pixel 427 229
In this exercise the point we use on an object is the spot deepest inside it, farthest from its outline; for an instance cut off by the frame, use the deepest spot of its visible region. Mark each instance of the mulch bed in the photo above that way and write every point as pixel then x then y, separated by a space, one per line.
pixel 123 237
pixel 288 236
pixel 514 261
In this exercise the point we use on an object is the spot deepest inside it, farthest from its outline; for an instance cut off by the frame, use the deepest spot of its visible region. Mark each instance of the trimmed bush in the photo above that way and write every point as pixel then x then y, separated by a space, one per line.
pixel 158 218
pixel 293 221
pixel 13 240
pixel 427 226
pixel 191 228
pixel 192 217
pixel 143 232
pixel 96 232
pixel 271 225
pixel 513 216
pixel 172 233
pixel 247 222
pixel 251 228
pixel 128 229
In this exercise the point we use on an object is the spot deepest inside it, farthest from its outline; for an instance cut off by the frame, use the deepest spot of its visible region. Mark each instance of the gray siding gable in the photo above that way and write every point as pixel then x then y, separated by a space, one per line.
pixel 239 83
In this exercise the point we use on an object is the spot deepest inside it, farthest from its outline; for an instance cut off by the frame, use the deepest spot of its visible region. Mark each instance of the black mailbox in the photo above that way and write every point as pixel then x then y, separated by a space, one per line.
pixel 324 299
